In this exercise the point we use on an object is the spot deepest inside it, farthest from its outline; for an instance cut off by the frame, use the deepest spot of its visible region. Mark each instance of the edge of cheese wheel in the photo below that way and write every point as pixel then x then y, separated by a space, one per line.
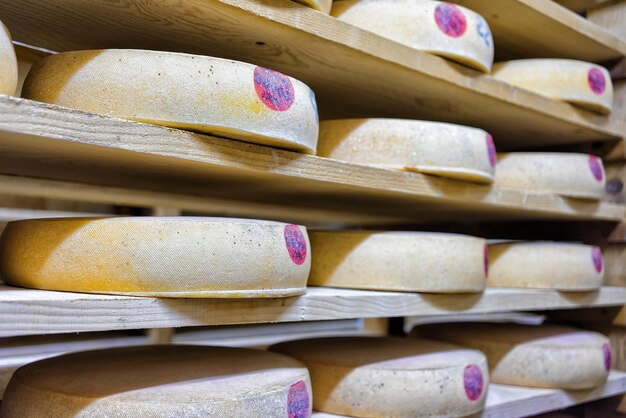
pixel 8 63
pixel 323 6
pixel 157 256
pixel 546 265
pixel 173 381
pixel 377 376
pixel 566 174
pixel 442 149
pixel 585 84
pixel 205 94
pixel 440 28
pixel 547 356
pixel 398 261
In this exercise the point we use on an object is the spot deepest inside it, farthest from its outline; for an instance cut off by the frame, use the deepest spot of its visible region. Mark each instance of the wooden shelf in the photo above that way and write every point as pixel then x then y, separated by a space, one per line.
pixel 353 72
pixel 44 141
pixel 504 401
pixel 545 29
pixel 30 312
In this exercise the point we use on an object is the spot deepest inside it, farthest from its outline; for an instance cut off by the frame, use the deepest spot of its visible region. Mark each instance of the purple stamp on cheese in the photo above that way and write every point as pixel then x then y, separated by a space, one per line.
pixel 596 80
pixel 298 401
pixel 450 20
pixel 491 150
pixel 296 244
pixel 473 382
pixel 486 259
pixel 596 167
pixel 274 89
pixel 606 349
pixel 596 256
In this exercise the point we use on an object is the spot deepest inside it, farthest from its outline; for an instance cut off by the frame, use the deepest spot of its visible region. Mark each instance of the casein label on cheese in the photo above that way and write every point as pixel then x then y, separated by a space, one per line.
pixel 450 20
pixel 486 259
pixel 596 256
pixel 273 88
pixel 296 243
pixel 491 150
pixel 298 401
pixel 606 350
pixel 597 82
pixel 596 167
pixel 473 382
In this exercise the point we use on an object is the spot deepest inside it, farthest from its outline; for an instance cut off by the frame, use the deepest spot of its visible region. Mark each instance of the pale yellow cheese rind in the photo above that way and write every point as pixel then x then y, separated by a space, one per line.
pixel 566 174
pixel 566 80
pixel 398 261
pixel 199 93
pixel 8 63
pixel 323 6
pixel 157 381
pixel 413 23
pixel 392 377
pixel 545 356
pixel 167 257
pixel 442 149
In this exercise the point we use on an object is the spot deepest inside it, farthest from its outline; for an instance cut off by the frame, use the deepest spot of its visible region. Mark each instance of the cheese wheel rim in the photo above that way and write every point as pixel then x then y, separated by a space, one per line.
pixel 8 63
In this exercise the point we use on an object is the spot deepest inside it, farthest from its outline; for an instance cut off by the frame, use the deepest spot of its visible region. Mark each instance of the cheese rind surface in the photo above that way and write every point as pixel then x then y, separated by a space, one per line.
pixel 8 63
pixel 161 381
pixel 373 377
pixel 199 93
pixel 167 257
pixel 398 261
pixel 443 149
pixel 440 28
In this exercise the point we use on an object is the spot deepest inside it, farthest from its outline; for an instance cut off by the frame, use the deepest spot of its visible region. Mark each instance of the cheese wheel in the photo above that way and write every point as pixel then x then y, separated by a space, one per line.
pixel 566 174
pixel 152 256
pixel 546 265
pixel 374 377
pixel 440 28
pixel 582 83
pixel 321 5
pixel 8 63
pixel 205 94
pixel 398 261
pixel 544 356
pixel 436 148
pixel 161 381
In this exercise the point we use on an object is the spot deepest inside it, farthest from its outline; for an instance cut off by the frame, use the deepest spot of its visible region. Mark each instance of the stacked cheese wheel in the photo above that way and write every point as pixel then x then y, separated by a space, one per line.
pixel 373 377
pixel 161 381
pixel 8 63
pixel 443 149
pixel 401 261
pixel 168 257
pixel 437 27
pixel 227 98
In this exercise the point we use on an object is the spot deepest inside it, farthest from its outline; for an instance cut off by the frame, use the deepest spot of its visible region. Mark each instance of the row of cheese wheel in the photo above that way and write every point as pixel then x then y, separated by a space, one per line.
pixel 237 258
pixel 350 376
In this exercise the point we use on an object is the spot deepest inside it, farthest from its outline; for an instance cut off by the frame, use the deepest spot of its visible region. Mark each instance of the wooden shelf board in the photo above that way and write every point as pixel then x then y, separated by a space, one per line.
pixel 354 73
pixel 504 401
pixel 29 312
pixel 62 145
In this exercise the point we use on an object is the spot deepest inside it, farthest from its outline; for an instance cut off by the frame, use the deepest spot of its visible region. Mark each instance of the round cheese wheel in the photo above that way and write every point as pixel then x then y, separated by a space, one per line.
pixel 398 261
pixel 566 174
pixel 161 381
pixel 546 265
pixel 8 63
pixel 539 356
pixel 205 94
pixel 436 148
pixel 152 256
pixel 585 84
pixel 440 28
pixel 321 5
pixel 374 377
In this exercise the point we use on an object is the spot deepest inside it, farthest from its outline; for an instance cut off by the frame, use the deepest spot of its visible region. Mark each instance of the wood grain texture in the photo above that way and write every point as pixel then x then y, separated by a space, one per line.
pixel 580 5
pixel 354 73
pixel 610 15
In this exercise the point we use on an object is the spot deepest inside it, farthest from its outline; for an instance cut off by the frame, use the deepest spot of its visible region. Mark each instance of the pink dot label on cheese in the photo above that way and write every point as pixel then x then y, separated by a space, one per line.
pixel 596 167
pixel 273 88
pixel 596 256
pixel 473 382
pixel 491 150
pixel 596 80
pixel 296 243
pixel 298 401
pixel 450 20
pixel 486 259
pixel 606 349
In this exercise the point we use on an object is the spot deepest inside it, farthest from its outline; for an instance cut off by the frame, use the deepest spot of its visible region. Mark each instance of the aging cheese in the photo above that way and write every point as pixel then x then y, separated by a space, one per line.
pixel 567 174
pixel 205 94
pixel 392 377
pixel 539 356
pixel 443 149
pixel 8 63
pixel 441 28
pixel 321 5
pixel 399 261
pixel 167 257
pixel 161 381
pixel 547 265
pixel 585 84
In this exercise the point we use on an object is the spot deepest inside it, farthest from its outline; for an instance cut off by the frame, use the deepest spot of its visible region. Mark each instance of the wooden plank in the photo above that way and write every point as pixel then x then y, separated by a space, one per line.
pixel 580 5
pixel 29 312
pixel 611 16
pixel 353 72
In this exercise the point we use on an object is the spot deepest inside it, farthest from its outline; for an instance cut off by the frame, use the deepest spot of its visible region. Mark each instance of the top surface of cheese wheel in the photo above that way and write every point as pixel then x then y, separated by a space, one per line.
pixel 567 174
pixel 161 381
pixel 205 94
pixel 586 84
pixel 8 63
pixel 437 148
pixel 372 377
pixel 437 27
pixel 321 5
pixel 153 256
